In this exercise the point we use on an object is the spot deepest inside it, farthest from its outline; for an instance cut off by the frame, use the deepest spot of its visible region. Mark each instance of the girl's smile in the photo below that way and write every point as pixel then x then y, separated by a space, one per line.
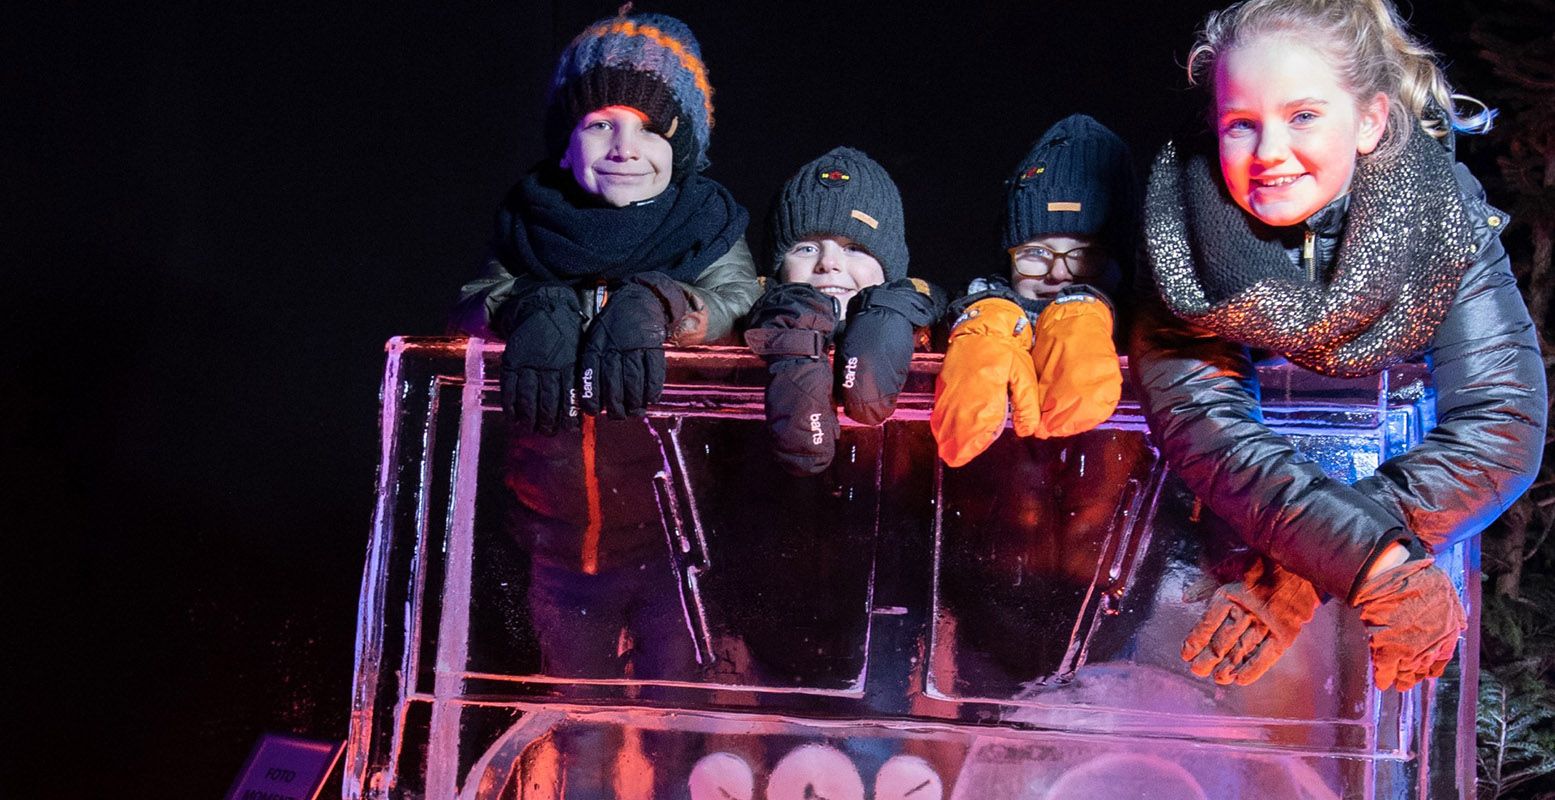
pixel 1289 132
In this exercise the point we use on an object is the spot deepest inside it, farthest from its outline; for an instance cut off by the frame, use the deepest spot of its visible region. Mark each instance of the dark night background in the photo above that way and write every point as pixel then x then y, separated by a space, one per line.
pixel 216 214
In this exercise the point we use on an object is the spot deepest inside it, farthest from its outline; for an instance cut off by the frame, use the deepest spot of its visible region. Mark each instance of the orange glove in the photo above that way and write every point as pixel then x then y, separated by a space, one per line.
pixel 1078 378
pixel 1413 620
pixel 987 371
pixel 1249 624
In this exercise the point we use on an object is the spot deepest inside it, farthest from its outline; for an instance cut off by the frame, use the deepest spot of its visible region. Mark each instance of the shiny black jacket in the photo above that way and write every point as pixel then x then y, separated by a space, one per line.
pixel 1200 397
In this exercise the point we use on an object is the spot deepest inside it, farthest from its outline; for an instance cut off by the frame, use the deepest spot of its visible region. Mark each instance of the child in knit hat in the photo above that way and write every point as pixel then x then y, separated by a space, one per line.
pixel 1039 340
pixel 610 249
pixel 837 253
pixel 618 209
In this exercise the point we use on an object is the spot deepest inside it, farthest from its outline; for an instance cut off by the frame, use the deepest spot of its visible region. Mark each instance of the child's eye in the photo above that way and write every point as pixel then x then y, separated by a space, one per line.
pixel 803 249
pixel 1235 126
pixel 855 248
pixel 1303 117
pixel 599 125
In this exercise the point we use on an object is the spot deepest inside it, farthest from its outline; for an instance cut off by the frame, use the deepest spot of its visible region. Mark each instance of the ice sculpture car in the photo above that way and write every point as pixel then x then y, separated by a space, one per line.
pixel 892 628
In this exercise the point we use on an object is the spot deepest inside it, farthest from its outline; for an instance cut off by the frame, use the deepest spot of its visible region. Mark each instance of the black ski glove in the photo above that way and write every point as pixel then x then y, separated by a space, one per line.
pixel 791 326
pixel 623 359
pixel 874 352
pixel 543 325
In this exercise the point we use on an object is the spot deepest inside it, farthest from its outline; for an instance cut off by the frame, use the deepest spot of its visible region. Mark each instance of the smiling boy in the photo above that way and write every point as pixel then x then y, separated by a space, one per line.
pixel 619 210
pixel 839 255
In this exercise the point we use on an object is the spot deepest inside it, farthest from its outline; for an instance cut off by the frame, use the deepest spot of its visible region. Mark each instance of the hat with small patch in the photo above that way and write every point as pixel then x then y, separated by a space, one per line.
pixel 1078 180
pixel 842 193
pixel 649 62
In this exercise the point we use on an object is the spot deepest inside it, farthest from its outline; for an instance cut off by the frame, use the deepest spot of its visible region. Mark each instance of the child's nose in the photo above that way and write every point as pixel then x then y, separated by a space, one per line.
pixel 1273 145
pixel 623 145
pixel 831 259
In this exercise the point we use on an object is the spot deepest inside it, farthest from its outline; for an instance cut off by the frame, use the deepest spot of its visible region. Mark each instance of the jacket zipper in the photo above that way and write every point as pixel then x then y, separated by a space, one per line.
pixel 590 554
pixel 1308 254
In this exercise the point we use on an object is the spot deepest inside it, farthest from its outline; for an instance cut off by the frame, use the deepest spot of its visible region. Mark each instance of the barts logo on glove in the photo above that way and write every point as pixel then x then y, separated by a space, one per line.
pixel 816 435
pixel 850 373
pixel 588 384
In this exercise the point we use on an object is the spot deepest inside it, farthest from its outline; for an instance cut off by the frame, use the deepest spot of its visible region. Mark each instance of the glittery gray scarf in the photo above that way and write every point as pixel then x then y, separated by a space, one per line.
pixel 1405 247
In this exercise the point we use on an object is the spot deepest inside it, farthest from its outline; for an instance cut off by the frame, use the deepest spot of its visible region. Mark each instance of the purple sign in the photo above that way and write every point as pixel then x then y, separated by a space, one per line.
pixel 282 767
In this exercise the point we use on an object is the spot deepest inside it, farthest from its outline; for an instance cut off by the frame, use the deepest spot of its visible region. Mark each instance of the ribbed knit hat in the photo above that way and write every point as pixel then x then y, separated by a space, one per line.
pixel 1078 180
pixel 649 62
pixel 843 193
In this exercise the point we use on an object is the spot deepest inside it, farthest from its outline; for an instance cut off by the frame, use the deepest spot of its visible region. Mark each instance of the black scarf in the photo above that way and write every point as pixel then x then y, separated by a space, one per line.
pixel 1405 247
pixel 555 231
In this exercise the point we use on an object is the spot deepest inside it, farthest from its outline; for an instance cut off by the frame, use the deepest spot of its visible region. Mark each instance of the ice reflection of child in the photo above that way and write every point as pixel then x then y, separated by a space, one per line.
pixel 1039 341
pixel 1325 221
pixel 839 256
pixel 618 211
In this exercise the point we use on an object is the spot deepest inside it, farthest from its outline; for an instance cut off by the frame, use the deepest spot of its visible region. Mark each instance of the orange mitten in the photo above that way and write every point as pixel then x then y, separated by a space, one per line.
pixel 1078 379
pixel 987 371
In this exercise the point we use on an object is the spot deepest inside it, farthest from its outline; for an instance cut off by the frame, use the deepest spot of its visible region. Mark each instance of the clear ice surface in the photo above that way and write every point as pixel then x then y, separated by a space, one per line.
pixel 889 628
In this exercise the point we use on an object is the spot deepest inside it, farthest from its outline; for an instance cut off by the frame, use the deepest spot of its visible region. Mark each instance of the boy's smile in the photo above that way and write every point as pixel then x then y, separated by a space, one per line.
pixel 836 265
pixel 615 158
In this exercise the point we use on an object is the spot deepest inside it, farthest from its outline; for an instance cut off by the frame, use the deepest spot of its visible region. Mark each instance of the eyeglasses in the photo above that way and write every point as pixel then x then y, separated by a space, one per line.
pixel 1035 261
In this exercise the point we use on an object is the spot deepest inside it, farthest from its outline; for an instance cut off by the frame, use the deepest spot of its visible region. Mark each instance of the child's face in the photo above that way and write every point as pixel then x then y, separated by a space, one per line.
pixel 1040 267
pixel 613 157
pixel 1289 132
pixel 836 265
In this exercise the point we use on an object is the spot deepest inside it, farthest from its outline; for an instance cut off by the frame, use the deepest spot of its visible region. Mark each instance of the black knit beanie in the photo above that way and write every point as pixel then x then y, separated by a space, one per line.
pixel 649 62
pixel 843 193
pixel 1077 180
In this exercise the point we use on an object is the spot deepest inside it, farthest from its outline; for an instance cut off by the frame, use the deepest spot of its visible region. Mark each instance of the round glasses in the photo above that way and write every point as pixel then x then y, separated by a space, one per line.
pixel 1035 261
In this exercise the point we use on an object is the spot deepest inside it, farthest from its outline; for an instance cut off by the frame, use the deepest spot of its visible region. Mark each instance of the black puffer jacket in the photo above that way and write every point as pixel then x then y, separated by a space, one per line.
pixel 1200 397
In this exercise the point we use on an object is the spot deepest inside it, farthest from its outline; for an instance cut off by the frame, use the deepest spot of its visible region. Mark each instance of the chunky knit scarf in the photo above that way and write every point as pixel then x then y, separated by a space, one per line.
pixel 550 227
pixel 1404 250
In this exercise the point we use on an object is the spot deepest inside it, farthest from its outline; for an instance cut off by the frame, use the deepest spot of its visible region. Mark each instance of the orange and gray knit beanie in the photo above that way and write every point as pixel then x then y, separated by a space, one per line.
pixel 649 62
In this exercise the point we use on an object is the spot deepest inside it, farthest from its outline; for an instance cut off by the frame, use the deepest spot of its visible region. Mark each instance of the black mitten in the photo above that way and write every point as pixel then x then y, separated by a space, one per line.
pixel 875 350
pixel 623 360
pixel 791 326
pixel 543 325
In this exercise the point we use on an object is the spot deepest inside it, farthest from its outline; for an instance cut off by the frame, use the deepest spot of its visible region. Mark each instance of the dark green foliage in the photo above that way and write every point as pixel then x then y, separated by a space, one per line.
pixel 1515 41
pixel 1516 713
pixel 1516 744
